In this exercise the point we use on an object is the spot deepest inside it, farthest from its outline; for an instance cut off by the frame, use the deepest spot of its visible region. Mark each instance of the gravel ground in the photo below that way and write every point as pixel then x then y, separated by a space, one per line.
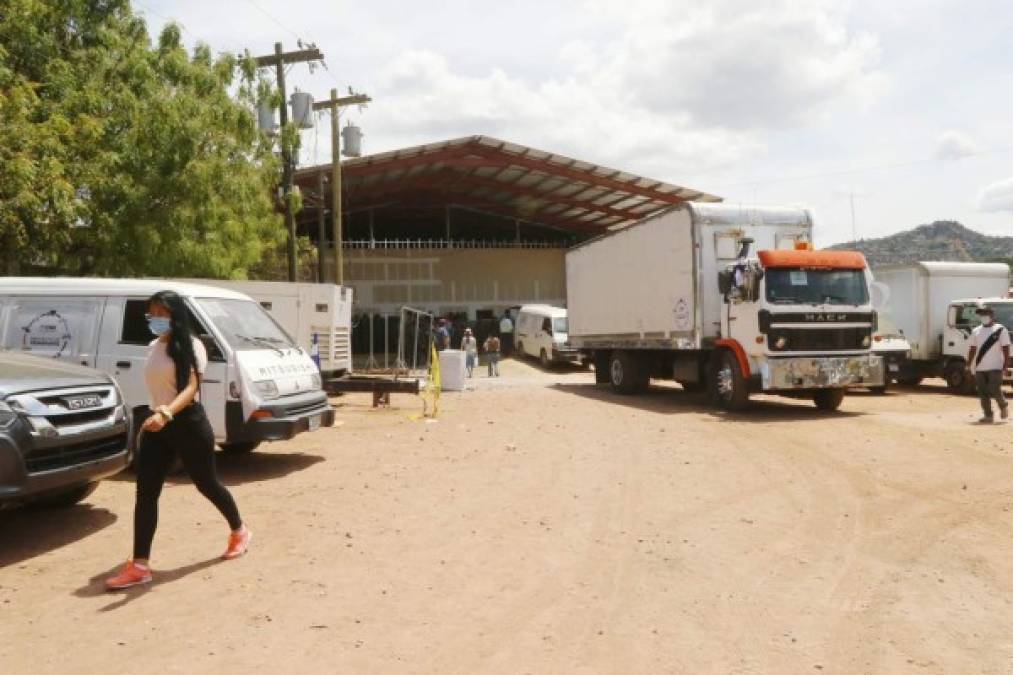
pixel 544 525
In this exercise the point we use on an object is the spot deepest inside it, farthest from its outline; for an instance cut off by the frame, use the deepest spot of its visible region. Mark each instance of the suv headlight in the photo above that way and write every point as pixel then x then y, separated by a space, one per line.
pixel 7 416
pixel 267 388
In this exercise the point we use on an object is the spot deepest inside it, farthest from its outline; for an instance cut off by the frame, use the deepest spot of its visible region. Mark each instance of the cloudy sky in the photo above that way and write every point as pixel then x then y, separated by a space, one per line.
pixel 902 107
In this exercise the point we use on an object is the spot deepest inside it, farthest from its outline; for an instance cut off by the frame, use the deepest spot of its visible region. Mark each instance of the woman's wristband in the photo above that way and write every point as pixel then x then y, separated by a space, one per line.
pixel 166 412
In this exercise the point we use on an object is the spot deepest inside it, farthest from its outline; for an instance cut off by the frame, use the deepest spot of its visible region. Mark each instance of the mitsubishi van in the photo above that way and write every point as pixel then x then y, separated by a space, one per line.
pixel 258 385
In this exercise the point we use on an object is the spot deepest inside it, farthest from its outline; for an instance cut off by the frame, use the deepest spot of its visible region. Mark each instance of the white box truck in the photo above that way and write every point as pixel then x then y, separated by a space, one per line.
pixel 726 297
pixel 317 316
pixel 934 304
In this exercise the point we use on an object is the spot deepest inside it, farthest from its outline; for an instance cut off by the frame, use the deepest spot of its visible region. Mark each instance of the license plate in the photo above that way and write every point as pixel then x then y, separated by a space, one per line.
pixel 83 402
pixel 314 423
pixel 893 367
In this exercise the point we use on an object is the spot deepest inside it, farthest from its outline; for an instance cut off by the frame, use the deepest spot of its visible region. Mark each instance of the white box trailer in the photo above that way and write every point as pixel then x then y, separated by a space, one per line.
pixel 727 296
pixel 934 304
pixel 308 312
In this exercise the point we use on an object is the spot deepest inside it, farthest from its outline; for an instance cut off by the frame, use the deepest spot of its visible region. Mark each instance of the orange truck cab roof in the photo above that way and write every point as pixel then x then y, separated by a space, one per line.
pixel 829 260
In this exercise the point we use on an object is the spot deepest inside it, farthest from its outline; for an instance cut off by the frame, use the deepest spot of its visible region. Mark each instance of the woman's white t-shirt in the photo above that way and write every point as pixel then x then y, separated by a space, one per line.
pixel 160 371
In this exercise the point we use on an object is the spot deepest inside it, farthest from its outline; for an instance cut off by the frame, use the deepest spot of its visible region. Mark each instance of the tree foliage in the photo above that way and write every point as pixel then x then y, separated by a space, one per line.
pixel 123 157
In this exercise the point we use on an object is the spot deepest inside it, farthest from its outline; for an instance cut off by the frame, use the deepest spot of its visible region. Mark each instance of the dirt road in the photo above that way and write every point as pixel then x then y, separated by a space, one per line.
pixel 543 525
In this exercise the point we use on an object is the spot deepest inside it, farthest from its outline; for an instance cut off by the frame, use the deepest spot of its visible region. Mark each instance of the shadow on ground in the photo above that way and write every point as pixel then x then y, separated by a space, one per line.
pixel 661 399
pixel 96 585
pixel 30 531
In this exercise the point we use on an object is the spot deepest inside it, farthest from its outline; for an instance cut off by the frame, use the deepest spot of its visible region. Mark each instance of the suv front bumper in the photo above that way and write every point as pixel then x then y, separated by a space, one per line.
pixel 822 372
pixel 86 460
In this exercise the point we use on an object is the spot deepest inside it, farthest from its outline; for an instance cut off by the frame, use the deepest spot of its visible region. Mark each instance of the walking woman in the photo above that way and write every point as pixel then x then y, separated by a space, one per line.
pixel 177 425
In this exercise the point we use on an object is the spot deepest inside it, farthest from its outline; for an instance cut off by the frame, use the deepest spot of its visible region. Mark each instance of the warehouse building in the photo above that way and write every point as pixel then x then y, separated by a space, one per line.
pixel 469 227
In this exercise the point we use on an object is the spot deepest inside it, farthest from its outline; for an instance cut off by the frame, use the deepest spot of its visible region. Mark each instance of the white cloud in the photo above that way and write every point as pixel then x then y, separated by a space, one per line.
pixel 424 98
pixel 996 197
pixel 738 63
pixel 954 144
pixel 673 87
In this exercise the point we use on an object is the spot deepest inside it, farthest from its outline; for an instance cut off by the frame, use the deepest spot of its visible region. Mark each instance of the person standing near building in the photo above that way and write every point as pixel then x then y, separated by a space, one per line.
pixel 492 347
pixel 442 335
pixel 987 359
pixel 470 346
pixel 179 426
pixel 506 333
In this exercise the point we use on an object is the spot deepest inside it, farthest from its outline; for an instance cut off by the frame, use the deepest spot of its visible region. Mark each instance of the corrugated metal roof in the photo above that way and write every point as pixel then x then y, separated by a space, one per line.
pixel 504 178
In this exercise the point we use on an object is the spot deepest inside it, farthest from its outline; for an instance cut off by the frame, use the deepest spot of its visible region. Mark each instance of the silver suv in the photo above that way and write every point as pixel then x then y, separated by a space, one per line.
pixel 63 428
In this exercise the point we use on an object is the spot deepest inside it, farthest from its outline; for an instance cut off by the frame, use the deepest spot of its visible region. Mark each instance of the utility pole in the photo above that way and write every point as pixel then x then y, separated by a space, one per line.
pixel 279 59
pixel 321 229
pixel 333 104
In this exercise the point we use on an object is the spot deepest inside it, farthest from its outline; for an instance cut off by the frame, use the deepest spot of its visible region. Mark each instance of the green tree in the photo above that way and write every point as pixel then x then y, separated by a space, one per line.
pixel 119 157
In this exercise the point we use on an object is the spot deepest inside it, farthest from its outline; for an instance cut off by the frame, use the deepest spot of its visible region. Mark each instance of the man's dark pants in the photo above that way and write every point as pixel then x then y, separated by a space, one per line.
pixel 990 386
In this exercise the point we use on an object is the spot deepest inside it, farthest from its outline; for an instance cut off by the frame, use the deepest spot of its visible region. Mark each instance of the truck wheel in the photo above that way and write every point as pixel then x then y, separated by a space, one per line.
pixel 67 497
pixel 239 448
pixel 909 380
pixel 879 391
pixel 544 360
pixel 728 385
pixel 828 399
pixel 958 380
pixel 626 374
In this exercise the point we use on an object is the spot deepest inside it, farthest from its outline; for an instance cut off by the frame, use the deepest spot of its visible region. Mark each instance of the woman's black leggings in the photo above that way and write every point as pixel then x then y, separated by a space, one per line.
pixel 190 435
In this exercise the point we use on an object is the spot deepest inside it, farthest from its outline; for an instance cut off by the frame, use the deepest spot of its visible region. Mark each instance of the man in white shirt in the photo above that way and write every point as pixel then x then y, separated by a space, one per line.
pixel 987 358
pixel 506 334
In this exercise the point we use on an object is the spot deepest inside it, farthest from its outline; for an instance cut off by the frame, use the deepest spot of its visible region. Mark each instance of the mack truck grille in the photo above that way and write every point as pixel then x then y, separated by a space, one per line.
pixel 818 339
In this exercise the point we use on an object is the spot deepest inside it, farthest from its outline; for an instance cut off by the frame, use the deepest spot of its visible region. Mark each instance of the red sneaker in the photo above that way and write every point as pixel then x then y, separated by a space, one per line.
pixel 132 574
pixel 239 543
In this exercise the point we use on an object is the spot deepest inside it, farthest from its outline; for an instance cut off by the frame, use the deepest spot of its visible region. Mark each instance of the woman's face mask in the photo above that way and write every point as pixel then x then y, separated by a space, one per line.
pixel 159 325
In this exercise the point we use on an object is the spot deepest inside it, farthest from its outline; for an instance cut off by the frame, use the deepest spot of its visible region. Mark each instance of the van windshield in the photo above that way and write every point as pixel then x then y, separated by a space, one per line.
pixel 559 325
pixel 816 287
pixel 244 324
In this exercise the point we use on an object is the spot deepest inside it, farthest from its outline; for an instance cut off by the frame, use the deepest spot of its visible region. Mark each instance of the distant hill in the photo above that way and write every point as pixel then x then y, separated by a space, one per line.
pixel 945 240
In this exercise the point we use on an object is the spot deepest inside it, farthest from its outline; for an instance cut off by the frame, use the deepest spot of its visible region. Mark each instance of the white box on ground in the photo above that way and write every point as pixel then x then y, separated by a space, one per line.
pixel 452 370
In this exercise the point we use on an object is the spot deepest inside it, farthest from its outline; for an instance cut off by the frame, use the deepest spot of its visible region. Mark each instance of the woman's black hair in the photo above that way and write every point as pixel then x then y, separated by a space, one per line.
pixel 180 346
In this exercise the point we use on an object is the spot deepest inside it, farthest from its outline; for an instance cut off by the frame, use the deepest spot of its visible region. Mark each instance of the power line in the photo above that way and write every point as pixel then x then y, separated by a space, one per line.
pixel 297 36
pixel 274 19
pixel 168 19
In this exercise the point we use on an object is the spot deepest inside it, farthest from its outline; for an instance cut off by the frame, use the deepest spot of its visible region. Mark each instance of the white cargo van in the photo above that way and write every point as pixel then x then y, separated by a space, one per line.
pixel 541 331
pixel 258 385
pixel 318 316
